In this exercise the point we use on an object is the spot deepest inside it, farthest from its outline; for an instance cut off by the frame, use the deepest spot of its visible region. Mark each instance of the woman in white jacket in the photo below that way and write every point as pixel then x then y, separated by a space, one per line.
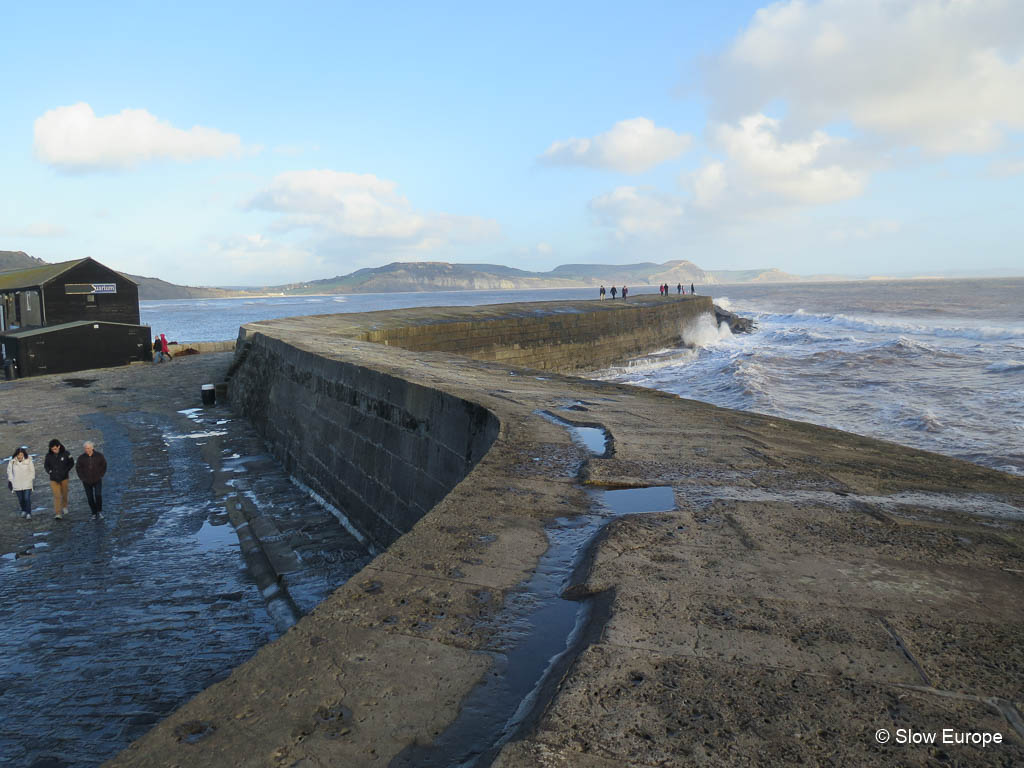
pixel 21 474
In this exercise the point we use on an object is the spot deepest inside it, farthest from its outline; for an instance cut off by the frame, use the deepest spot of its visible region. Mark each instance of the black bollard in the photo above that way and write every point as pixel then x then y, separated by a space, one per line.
pixel 209 395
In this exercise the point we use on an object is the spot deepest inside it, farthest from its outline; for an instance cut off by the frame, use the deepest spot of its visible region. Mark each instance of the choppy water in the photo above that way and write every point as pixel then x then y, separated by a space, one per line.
pixel 932 364
pixel 937 365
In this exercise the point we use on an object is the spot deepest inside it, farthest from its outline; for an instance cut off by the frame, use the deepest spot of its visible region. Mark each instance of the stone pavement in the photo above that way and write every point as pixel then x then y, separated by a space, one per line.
pixel 107 626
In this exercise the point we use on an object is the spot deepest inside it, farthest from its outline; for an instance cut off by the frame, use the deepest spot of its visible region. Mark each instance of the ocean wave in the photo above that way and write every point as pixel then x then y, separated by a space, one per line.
pixel 705 331
pixel 982 333
pixel 1005 366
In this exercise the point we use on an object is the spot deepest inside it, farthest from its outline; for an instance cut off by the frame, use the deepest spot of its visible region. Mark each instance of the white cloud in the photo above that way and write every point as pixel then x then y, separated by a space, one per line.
pixel 941 75
pixel 634 211
pixel 361 207
pixel 36 229
pixel 254 259
pixel 761 169
pixel 631 146
pixel 74 139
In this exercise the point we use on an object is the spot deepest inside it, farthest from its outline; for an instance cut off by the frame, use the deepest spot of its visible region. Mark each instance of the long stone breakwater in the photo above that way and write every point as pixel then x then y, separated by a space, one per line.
pixel 698 586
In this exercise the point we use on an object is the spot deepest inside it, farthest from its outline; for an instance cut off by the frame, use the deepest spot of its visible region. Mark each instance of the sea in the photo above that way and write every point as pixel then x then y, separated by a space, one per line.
pixel 932 364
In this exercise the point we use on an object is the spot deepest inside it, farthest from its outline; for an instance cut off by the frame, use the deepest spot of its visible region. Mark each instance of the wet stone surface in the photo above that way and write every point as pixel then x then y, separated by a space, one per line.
pixel 108 626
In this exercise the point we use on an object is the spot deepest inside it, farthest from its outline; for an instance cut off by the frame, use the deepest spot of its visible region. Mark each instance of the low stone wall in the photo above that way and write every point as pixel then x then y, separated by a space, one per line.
pixel 557 336
pixel 382 449
pixel 204 347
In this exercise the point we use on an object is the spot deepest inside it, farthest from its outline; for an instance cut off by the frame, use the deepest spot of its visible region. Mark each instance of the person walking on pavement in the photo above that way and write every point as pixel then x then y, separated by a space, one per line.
pixel 614 291
pixel 158 350
pixel 21 475
pixel 601 293
pixel 91 467
pixel 625 291
pixel 163 347
pixel 679 287
pixel 58 465
pixel 693 291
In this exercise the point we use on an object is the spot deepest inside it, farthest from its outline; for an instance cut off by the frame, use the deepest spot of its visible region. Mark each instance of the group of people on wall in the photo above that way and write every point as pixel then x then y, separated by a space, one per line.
pixel 665 289
pixel 614 292
pixel 91 466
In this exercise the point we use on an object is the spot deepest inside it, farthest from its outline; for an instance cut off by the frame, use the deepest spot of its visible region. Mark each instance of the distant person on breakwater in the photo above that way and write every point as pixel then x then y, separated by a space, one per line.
pixel 601 293
pixel 613 291
pixel 679 287
pixel 693 291
pixel 91 467
pixel 625 291
pixel 58 466
pixel 21 475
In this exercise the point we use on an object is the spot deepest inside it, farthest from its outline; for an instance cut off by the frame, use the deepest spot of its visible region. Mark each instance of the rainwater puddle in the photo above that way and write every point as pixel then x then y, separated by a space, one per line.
pixel 594 439
pixel 215 537
pixel 197 435
pixel 541 634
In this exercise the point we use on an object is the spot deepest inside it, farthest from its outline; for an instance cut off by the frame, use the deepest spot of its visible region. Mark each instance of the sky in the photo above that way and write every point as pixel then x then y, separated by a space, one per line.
pixel 266 143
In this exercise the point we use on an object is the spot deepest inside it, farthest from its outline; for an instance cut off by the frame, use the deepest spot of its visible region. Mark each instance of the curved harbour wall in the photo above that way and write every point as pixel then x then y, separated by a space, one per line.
pixel 381 449
pixel 384 449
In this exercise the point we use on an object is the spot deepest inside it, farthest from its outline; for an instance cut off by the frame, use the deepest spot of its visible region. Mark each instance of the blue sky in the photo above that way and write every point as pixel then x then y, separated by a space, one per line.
pixel 257 143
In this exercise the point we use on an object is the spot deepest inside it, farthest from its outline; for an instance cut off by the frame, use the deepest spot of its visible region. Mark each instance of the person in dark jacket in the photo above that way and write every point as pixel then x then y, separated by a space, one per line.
pixel 58 466
pixel 91 467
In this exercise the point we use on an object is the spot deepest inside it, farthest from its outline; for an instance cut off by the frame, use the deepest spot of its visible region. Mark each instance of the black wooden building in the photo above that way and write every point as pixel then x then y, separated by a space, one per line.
pixel 70 316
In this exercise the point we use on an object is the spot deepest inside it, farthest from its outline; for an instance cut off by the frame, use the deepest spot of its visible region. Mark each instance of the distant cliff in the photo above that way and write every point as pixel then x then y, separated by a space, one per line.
pixel 441 276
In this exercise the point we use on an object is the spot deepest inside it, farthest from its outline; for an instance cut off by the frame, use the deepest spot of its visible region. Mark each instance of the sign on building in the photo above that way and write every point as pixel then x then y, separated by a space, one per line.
pixel 89 288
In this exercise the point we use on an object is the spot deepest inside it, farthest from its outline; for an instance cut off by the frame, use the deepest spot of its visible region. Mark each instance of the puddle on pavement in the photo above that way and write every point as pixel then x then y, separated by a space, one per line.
pixel 594 439
pixel 216 536
pixel 541 633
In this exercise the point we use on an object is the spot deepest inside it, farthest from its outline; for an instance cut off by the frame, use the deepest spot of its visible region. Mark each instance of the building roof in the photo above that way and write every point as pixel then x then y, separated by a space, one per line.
pixel 20 279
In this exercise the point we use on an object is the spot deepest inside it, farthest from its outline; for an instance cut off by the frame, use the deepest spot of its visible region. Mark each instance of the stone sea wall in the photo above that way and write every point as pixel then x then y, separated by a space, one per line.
pixel 382 449
pixel 570 338
pixel 385 450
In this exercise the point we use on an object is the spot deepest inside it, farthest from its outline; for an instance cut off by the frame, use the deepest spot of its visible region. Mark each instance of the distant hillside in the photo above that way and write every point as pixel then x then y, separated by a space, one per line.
pixel 150 288
pixel 441 276
pixel 753 276
pixel 153 288
pixel 18 260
